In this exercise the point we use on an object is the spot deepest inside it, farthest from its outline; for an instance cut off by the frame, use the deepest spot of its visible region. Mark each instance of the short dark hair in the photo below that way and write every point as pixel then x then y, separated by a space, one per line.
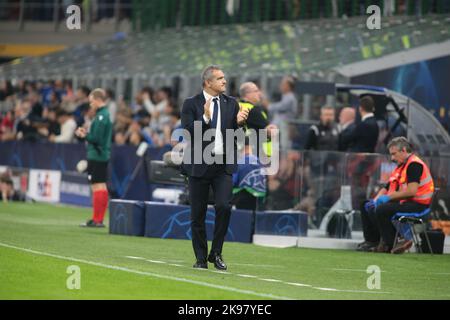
pixel 175 113
pixel 86 91
pixel 110 93
pixel 61 113
pixel 367 104
pixel 148 90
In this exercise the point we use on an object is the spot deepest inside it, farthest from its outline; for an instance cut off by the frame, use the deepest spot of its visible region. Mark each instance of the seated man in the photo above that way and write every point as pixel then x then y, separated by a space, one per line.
pixel 410 189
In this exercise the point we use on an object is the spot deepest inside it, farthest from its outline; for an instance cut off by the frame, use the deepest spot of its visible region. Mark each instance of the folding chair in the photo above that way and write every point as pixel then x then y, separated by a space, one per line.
pixel 415 220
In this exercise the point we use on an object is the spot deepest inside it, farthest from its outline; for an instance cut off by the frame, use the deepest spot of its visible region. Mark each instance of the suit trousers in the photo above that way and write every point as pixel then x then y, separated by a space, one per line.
pixel 222 184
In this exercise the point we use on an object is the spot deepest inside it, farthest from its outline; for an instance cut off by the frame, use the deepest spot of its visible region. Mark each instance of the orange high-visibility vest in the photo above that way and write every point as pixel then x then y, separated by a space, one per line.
pixel 398 181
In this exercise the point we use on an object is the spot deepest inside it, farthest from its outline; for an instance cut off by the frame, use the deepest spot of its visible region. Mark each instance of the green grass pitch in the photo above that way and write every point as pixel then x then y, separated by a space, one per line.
pixel 38 243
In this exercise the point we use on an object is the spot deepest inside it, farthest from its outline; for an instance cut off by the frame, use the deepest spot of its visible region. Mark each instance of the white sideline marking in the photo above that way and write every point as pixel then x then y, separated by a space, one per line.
pixel 246 276
pixel 362 291
pixel 271 280
pixel 175 265
pixel 135 258
pixel 222 272
pixel 353 291
pixel 325 289
pixel 299 284
pixel 149 274
pixel 353 270
pixel 258 265
pixel 156 261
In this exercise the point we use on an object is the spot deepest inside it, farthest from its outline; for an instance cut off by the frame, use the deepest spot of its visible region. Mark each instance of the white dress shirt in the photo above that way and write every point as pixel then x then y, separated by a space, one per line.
pixel 67 131
pixel 369 115
pixel 218 142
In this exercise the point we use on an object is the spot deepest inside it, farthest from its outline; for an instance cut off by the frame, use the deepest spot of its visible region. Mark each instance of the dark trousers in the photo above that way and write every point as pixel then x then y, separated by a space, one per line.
pixel 378 224
pixel 222 184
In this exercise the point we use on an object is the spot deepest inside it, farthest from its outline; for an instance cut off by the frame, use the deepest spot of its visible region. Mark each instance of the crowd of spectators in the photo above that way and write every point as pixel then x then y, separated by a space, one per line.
pixel 51 111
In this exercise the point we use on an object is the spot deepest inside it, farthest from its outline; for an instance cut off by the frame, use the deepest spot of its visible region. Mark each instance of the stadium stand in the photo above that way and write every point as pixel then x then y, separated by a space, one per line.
pixel 275 48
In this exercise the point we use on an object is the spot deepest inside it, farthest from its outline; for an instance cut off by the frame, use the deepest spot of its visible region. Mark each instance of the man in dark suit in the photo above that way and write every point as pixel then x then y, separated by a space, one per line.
pixel 365 135
pixel 210 163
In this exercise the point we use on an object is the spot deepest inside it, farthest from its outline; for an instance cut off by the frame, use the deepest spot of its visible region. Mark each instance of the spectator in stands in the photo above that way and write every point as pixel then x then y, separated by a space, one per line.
pixel 88 118
pixel 7 127
pixel 82 102
pixel 111 104
pixel 173 124
pixel 6 89
pixel 286 109
pixel 36 106
pixel 138 103
pixel 68 127
pixel 120 138
pixel 50 125
pixel 8 192
pixel 365 136
pixel 54 100
pixel 135 133
pixel 164 117
pixel 161 98
pixel 147 97
pixel 325 135
pixel 136 138
pixel 26 128
pixel 346 126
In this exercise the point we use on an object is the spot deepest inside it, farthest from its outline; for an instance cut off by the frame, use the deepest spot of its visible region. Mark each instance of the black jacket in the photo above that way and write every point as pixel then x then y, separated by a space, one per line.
pixel 192 111
pixel 343 137
pixel 324 138
pixel 364 137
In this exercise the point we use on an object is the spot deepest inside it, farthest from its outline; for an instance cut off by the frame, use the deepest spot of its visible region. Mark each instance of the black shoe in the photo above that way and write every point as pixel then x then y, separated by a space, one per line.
pixel 92 224
pixel 367 246
pixel 219 264
pixel 200 265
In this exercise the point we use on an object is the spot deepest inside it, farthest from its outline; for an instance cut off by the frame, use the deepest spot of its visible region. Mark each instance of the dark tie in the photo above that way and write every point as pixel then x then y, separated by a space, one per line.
pixel 215 113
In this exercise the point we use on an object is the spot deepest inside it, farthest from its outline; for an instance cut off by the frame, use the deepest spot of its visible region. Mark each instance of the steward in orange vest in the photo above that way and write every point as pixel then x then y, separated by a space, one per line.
pixel 398 182
pixel 410 189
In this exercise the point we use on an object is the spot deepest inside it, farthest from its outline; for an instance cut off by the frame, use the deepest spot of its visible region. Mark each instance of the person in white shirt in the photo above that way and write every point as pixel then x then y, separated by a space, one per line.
pixel 68 127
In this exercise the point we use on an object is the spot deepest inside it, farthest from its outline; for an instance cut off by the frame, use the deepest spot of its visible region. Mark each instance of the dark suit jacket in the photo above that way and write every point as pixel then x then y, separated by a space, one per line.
pixel 192 111
pixel 363 138
pixel 343 137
